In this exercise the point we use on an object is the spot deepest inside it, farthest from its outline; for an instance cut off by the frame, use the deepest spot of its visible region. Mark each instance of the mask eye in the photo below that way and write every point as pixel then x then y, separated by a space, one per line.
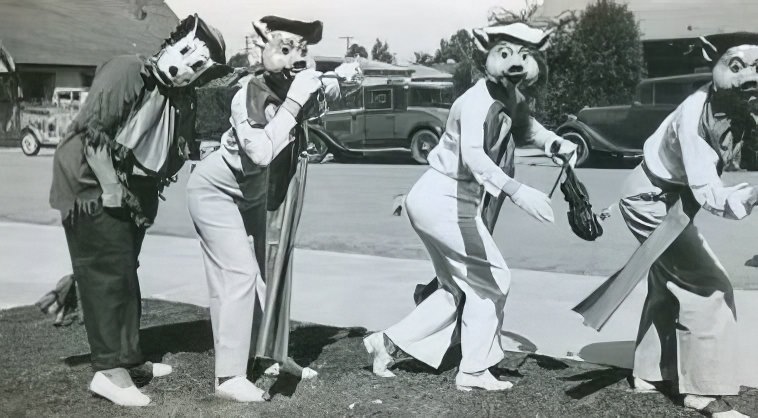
pixel 504 54
pixel 285 50
pixel 197 65
pixel 185 50
pixel 736 65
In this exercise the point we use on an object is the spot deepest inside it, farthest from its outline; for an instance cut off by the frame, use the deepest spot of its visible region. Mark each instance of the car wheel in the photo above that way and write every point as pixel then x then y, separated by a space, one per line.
pixel 582 146
pixel 317 148
pixel 422 142
pixel 29 144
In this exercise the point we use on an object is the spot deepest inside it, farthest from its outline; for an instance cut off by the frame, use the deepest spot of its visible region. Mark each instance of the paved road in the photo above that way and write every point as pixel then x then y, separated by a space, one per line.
pixel 348 210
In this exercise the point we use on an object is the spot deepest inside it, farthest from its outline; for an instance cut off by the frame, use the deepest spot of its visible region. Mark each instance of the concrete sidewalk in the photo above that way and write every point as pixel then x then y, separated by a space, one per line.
pixel 358 290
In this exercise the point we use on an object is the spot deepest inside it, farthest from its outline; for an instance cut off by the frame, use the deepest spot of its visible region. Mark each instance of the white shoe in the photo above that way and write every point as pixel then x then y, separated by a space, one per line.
pixel 306 374
pixel 699 403
pixel 240 389
pixel 161 369
pixel 643 386
pixel 486 381
pixel 129 396
pixel 273 370
pixel 729 414
pixel 374 344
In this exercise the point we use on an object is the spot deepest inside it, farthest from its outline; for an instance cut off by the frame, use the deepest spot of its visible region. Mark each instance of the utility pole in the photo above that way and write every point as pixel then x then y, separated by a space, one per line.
pixel 247 44
pixel 347 41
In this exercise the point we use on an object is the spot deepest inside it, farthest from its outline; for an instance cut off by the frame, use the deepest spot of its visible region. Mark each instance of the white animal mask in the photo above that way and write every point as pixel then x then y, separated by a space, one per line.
pixel 184 59
pixel 510 50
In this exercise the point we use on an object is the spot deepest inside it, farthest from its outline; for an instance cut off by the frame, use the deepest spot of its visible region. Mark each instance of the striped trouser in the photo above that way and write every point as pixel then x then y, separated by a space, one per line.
pixel 688 326
pixel 446 215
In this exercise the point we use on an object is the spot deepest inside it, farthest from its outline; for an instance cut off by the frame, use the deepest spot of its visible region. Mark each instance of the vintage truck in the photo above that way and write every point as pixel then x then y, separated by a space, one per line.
pixel 45 124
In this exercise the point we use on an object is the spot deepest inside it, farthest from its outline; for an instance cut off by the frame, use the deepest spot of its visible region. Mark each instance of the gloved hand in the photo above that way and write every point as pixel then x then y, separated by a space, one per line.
pixel 534 202
pixel 349 72
pixel 306 83
pixel 564 148
pixel 741 200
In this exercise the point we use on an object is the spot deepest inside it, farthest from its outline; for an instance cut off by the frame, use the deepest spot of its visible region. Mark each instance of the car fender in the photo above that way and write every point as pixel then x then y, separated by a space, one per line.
pixel 332 143
pixel 595 140
pixel 34 131
pixel 436 129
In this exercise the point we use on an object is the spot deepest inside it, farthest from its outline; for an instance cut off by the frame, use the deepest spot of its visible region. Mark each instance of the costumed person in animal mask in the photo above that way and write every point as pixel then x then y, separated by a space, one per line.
pixel 122 147
pixel 474 158
pixel 687 333
pixel 245 200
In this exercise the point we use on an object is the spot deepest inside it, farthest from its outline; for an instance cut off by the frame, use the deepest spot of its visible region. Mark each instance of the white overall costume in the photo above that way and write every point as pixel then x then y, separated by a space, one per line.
pixel 474 157
pixel 232 270
pixel 688 325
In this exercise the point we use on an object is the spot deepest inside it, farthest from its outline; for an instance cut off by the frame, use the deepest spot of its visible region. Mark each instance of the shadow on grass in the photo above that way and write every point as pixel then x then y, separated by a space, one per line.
pixel 307 343
pixel 595 380
pixel 186 337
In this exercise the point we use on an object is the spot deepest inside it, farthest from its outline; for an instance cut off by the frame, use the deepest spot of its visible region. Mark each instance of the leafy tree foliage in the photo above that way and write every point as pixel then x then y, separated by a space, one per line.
pixel 356 50
pixel 239 60
pixel 423 58
pixel 598 61
pixel 381 52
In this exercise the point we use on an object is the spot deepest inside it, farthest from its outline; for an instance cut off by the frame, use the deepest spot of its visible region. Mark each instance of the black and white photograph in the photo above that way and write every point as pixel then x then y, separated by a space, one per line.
pixel 353 208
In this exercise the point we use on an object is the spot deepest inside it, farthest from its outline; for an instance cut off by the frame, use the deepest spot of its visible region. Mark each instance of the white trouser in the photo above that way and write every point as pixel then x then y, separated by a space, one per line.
pixel 231 269
pixel 688 329
pixel 446 215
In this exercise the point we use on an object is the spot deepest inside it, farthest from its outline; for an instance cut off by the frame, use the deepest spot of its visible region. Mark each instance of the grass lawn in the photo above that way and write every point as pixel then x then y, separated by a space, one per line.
pixel 45 372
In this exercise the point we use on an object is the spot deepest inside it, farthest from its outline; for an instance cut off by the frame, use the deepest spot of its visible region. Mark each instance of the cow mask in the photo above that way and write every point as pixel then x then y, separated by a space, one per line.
pixel 284 44
pixel 193 48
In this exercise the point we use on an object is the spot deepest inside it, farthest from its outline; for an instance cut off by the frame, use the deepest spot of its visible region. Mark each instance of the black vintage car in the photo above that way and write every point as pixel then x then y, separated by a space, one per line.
pixel 384 116
pixel 621 130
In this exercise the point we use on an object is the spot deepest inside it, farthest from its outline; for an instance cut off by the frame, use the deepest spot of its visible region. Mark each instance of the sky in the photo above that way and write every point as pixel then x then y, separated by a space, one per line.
pixel 406 25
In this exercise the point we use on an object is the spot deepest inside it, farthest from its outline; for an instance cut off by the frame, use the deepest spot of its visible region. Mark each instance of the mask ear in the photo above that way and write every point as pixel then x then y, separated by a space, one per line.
pixel 481 40
pixel 261 30
pixel 710 53
pixel 194 29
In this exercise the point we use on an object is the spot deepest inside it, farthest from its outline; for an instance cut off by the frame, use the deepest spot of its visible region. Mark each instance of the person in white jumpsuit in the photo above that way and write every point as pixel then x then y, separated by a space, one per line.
pixel 265 114
pixel 688 329
pixel 474 157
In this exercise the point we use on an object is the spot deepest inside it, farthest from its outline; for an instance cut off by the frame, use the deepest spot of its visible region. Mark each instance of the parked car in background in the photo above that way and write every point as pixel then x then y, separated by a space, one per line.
pixel 45 124
pixel 622 130
pixel 384 116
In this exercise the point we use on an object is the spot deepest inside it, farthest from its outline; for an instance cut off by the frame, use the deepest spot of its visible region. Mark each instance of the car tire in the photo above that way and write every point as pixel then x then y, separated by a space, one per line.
pixel 30 146
pixel 422 142
pixel 583 148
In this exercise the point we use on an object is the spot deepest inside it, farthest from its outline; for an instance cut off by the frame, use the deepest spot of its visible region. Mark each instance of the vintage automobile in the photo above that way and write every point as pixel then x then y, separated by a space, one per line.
pixel 621 130
pixel 384 116
pixel 44 125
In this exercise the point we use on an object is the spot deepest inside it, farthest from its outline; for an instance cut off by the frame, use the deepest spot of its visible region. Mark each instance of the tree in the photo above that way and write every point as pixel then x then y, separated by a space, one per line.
pixel 423 58
pixel 598 61
pixel 381 52
pixel 356 50
pixel 458 48
pixel 239 60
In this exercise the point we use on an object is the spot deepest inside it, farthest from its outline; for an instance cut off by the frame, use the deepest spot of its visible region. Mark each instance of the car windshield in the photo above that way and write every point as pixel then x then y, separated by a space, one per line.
pixel 431 97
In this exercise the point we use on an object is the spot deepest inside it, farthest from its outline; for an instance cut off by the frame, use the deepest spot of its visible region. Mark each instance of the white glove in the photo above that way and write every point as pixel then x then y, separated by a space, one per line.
pixel 567 149
pixel 306 82
pixel 534 202
pixel 742 199
pixel 349 72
